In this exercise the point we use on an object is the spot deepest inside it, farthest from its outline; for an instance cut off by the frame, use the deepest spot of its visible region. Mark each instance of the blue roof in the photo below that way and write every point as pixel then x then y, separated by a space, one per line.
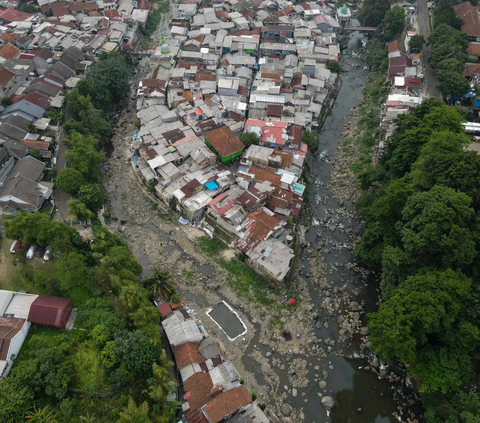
pixel 477 103
pixel 211 185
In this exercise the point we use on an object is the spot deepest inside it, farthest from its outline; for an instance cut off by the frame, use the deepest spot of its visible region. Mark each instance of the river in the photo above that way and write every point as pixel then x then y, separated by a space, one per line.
pixel 156 240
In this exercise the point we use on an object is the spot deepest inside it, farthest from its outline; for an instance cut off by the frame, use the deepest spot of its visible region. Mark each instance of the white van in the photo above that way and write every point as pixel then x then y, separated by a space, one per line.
pixel 31 251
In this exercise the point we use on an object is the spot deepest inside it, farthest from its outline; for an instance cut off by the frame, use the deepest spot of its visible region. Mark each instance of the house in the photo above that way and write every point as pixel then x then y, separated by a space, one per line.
pixel 24 190
pixel 473 51
pixel 50 311
pixel 226 405
pixel 278 33
pixel 397 66
pixel 7 52
pixel 224 143
pixel 393 48
pixel 13 332
pixel 271 134
pixel 469 14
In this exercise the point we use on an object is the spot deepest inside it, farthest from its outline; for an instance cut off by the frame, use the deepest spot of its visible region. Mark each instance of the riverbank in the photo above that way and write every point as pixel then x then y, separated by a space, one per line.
pixel 321 359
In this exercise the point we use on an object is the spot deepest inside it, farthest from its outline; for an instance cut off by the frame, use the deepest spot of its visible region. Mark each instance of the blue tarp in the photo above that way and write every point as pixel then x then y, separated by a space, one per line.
pixel 211 185
pixel 468 95
pixel 477 103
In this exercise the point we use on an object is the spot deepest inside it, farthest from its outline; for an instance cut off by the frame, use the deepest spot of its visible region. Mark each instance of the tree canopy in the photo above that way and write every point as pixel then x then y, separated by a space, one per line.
pixel 69 180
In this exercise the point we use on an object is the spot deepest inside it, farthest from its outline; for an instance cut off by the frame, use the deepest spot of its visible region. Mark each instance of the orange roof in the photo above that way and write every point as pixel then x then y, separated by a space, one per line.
pixel 256 228
pixel 188 95
pixel 7 37
pixel 204 77
pixel 266 174
pixel 227 403
pixel 39 145
pixel 471 69
pixel 199 386
pixel 224 141
pixel 5 76
pixel 187 353
pixel 393 46
pixel 473 49
pixel 469 14
pixel 9 51
pixel 417 56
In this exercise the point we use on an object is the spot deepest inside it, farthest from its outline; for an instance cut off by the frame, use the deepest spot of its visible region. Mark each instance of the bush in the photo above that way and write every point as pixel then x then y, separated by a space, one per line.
pixel 175 298
pixel 334 66
pixel 254 395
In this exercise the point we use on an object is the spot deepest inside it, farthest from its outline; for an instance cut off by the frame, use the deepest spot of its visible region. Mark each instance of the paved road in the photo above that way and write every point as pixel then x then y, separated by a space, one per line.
pixel 431 80
pixel 59 197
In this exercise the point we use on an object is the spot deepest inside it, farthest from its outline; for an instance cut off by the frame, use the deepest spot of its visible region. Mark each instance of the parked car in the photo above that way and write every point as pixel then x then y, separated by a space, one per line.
pixel 39 251
pixel 12 247
pixel 46 256
pixel 18 246
pixel 31 251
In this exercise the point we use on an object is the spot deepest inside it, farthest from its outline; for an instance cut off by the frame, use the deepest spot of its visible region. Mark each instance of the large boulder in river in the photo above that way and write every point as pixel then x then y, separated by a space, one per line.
pixel 328 402
pixel 286 410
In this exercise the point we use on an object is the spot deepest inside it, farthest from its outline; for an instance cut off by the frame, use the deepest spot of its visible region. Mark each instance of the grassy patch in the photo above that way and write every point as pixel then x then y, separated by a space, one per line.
pixel 246 283
pixel 166 217
pixel 89 372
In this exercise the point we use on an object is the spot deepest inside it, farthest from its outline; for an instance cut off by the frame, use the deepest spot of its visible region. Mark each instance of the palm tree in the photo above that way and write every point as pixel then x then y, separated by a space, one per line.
pixel 41 415
pixel 161 280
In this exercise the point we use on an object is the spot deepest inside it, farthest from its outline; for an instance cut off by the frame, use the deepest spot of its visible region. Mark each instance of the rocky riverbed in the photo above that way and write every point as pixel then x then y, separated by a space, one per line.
pixel 300 362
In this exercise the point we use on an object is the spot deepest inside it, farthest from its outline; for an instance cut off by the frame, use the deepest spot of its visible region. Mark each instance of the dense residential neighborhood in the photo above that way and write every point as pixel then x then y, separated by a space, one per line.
pixel 239 211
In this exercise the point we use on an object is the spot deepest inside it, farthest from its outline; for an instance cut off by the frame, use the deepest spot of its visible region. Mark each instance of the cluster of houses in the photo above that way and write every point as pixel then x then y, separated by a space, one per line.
pixel 224 69
pixel 211 388
pixel 42 56
pixel 18 310
pixel 405 76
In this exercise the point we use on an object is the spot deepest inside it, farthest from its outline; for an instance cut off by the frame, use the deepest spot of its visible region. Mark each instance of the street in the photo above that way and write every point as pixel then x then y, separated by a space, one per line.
pixel 60 198
pixel 431 80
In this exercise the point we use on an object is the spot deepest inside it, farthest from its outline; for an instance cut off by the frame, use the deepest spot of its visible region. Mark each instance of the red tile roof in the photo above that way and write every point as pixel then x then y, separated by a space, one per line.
pixel 473 49
pixel 227 403
pixel 111 13
pixel 257 227
pixel 9 327
pixel 9 51
pixel 471 69
pixel 14 15
pixel 187 353
pixel 469 14
pixel 5 76
pixel 393 46
pixel 50 311
pixel 8 38
pixel 39 145
pixel 80 6
pixel 224 141
pixel 266 174
pixel 165 310
pixel 198 390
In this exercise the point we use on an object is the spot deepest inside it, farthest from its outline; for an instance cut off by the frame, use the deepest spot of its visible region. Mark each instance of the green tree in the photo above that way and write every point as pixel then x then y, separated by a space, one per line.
pixel 26 226
pixel 249 138
pixel 6 101
pixel 334 66
pixel 438 227
pixel 83 156
pixel 109 80
pixel 79 209
pixel 137 353
pixel 445 14
pixel 35 153
pixel 426 306
pixel 312 139
pixel 98 126
pixel 133 414
pixel 41 415
pixel 393 23
pixel 69 180
pixel 160 280
pixel 372 12
pixel 416 43
pixel 451 83
pixel 93 196
pixel 74 126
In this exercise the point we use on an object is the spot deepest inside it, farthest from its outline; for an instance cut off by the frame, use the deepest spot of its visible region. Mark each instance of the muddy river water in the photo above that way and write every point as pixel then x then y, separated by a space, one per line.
pixel 361 397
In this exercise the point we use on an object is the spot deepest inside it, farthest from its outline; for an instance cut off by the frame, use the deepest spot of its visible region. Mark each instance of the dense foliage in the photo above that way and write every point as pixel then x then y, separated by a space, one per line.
pixel 420 204
pixel 118 350
pixel 448 57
